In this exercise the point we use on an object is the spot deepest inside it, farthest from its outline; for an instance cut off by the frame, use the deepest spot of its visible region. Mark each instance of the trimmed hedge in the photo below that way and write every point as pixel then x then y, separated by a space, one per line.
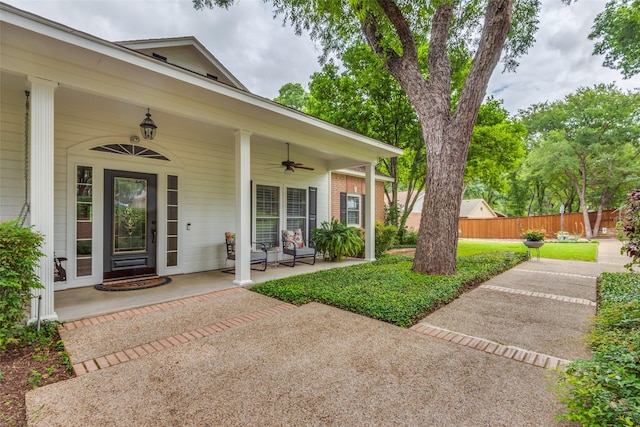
pixel 387 289
pixel 605 390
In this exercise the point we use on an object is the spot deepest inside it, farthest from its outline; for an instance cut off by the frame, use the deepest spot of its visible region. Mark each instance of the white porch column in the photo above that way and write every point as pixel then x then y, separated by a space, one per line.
pixel 370 212
pixel 41 190
pixel 243 208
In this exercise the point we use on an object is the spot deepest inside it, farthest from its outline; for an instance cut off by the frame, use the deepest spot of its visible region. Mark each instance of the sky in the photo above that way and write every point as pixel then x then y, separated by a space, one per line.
pixel 264 55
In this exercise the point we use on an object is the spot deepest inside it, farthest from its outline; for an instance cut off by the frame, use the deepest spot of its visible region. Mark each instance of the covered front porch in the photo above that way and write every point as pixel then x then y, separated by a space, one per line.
pixel 115 204
pixel 81 303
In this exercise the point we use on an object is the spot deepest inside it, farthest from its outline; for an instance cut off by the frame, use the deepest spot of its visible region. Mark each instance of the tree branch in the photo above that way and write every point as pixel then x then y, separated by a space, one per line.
pixel 404 68
pixel 438 61
pixel 496 28
pixel 397 19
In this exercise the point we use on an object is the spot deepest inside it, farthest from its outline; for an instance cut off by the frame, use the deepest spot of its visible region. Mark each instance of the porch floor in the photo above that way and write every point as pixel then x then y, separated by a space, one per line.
pixel 79 303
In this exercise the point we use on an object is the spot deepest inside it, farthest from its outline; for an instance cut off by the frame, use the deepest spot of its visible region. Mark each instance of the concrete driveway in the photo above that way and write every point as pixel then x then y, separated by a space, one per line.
pixel 238 358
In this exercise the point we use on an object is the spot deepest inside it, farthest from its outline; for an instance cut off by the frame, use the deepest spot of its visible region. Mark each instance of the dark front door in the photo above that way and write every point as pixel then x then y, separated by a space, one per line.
pixel 129 224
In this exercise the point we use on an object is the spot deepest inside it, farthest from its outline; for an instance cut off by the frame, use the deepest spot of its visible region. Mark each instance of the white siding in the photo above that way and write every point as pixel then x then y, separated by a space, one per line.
pixel 11 156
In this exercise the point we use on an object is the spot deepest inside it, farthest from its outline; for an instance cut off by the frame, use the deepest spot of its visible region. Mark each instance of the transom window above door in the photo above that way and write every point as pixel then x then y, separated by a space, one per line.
pixel 130 150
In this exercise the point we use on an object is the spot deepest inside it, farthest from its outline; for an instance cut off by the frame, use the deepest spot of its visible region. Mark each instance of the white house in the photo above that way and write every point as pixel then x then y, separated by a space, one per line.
pixel 115 203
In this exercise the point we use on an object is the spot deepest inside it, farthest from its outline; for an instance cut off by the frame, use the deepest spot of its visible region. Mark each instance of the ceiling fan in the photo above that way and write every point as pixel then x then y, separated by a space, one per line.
pixel 290 166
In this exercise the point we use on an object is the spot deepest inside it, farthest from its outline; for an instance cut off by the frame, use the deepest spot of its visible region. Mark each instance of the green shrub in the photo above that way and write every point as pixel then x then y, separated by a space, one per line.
pixel 335 240
pixel 19 253
pixel 384 237
pixel 605 390
pixel 410 237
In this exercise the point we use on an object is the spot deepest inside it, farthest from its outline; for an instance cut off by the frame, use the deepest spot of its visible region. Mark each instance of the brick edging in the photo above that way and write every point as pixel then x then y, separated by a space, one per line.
pixel 554 273
pixel 160 344
pixel 562 298
pixel 127 314
pixel 510 352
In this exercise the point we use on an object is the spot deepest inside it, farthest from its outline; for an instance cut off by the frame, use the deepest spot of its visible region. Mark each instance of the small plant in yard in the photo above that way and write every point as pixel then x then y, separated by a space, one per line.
pixel 629 229
pixel 35 379
pixel 535 234
pixel 384 237
pixel 605 390
pixel 335 240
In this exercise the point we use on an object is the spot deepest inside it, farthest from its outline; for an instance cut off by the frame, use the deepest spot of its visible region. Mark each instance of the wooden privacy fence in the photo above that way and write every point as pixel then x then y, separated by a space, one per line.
pixel 512 228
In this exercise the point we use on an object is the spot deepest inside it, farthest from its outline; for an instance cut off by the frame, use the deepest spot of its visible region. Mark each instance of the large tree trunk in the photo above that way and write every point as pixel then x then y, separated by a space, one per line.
pixel 447 136
pixel 438 237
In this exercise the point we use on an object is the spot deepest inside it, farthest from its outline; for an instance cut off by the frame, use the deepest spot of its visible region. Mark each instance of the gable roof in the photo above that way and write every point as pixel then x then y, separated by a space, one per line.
pixel 469 207
pixel 187 53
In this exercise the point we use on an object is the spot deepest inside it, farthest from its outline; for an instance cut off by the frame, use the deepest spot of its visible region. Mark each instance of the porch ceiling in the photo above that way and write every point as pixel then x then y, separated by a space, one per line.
pixel 101 81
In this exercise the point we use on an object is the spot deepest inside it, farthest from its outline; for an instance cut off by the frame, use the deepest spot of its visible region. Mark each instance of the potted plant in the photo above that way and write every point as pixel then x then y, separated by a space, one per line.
pixel 335 240
pixel 534 237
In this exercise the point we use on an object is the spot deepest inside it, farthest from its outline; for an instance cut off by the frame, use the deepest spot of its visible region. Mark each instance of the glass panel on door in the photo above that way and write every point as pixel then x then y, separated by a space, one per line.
pixel 130 215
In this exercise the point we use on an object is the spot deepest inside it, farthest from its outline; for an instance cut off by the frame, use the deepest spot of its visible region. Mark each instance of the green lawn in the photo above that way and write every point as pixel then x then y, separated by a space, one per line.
pixel 566 251
pixel 387 289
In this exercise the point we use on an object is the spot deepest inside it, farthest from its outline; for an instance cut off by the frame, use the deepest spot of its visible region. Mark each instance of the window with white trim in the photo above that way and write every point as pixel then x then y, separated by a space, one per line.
pixel 84 220
pixel 353 210
pixel 267 214
pixel 297 209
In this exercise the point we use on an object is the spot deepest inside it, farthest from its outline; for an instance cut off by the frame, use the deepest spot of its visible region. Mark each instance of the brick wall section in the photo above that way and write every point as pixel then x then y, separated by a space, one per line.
pixel 345 184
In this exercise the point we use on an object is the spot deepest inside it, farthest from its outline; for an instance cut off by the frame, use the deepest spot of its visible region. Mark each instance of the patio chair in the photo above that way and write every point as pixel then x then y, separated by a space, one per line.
pixel 60 273
pixel 293 244
pixel 257 257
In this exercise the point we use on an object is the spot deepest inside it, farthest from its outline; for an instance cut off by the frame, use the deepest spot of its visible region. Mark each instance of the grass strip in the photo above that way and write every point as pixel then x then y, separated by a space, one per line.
pixel 571 251
pixel 387 289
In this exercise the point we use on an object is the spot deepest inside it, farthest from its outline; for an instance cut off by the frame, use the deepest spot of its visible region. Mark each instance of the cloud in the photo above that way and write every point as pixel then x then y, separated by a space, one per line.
pixel 264 55
pixel 560 62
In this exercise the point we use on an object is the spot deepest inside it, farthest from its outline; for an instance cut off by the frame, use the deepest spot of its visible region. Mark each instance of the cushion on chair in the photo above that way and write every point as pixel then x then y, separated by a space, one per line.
pixel 230 239
pixel 298 239
pixel 303 252
pixel 288 239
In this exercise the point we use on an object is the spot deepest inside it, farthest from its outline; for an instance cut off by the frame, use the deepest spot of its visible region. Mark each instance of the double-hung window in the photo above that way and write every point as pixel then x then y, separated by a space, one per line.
pixel 353 210
pixel 267 214
pixel 297 209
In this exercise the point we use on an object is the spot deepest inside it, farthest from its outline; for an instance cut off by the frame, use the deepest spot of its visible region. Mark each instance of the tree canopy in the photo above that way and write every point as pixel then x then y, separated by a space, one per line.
pixel 593 138
pixel 293 95
pixel 497 146
pixel 617 31
pixel 448 35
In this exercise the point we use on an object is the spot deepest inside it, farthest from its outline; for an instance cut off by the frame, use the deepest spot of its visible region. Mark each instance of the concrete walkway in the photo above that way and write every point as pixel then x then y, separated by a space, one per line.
pixel 238 358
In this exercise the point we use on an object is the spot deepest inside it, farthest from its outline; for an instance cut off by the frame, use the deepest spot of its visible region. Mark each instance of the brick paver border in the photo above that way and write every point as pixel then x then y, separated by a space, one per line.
pixel 142 350
pixel 554 273
pixel 510 352
pixel 127 314
pixel 561 298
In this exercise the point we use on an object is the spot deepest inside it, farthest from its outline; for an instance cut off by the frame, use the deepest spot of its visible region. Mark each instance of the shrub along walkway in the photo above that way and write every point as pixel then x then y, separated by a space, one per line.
pixel 238 358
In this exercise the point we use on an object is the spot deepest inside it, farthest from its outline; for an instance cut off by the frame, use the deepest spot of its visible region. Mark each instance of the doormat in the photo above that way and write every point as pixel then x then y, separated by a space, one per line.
pixel 133 284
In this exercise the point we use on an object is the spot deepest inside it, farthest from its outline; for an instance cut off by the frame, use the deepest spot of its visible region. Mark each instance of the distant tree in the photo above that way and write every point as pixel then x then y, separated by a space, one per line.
pixel 497 146
pixel 617 30
pixel 593 137
pixel 455 33
pixel 363 97
pixel 293 95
